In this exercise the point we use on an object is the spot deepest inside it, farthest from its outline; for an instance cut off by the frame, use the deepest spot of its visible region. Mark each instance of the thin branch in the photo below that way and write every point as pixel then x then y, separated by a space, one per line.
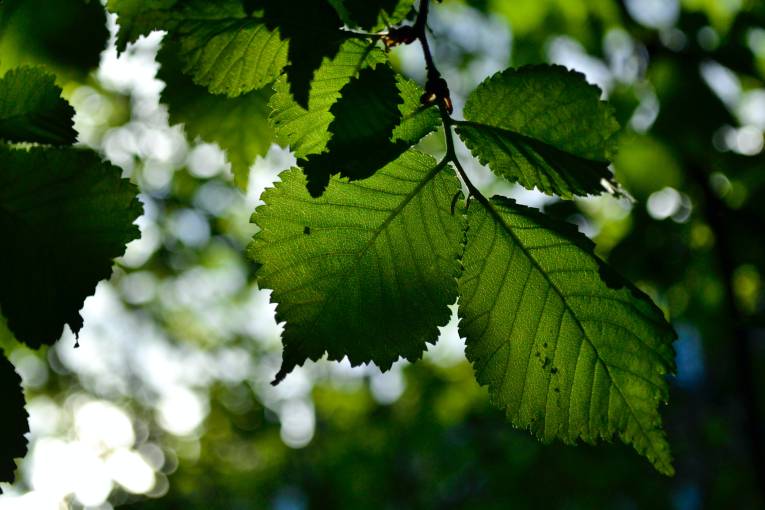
pixel 420 33
pixel 451 155
pixel 436 88
pixel 437 91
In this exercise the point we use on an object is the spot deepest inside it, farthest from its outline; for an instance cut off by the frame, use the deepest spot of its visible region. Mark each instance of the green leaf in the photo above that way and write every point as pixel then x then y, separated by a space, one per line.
pixel 366 116
pixel 219 45
pixel 231 56
pixel 367 111
pixel 367 270
pixel 138 18
pixel 66 35
pixel 64 215
pixel 32 109
pixel 14 425
pixel 305 130
pixel 364 119
pixel 250 6
pixel 417 120
pixel 569 349
pixel 312 28
pixel 239 125
pixel 373 15
pixel 544 127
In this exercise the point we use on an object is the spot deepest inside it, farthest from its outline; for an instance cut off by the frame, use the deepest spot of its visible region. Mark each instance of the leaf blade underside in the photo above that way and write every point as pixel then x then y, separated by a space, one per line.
pixel 542 126
pixel 374 15
pixel 306 130
pixel 365 271
pixel 568 349
pixel 219 45
pixel 239 125
pixel 377 118
pixel 312 28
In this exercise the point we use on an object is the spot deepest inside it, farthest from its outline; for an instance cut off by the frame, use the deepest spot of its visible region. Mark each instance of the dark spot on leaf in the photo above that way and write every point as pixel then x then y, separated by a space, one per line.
pixel 307 230
pixel 546 363
pixel 553 370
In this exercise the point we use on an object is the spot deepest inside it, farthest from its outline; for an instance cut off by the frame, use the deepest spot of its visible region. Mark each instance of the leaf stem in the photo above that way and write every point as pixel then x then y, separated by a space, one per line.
pixel 435 78
pixel 451 156
pixel 419 30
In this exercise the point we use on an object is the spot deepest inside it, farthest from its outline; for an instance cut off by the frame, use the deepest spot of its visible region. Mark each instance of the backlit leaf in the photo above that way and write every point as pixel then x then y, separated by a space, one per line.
pixel 544 127
pixel 568 349
pixel 239 125
pixel 312 28
pixel 219 45
pixel 365 271
pixel 364 130
pixel 306 130
pixel 374 14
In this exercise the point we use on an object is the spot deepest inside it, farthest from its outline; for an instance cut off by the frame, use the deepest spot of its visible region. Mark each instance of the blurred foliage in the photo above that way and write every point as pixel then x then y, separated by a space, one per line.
pixel 692 239
pixel 67 36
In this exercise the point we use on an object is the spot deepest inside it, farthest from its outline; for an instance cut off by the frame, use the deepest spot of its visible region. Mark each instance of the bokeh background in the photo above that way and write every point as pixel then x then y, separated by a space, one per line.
pixel 167 404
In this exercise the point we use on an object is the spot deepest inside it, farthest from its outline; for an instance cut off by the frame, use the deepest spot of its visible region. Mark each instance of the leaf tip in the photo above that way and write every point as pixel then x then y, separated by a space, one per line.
pixel 286 368
pixel 280 375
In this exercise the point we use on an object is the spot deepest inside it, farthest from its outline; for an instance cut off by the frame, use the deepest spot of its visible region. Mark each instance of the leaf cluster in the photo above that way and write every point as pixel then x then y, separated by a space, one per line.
pixel 64 213
pixel 367 242
pixel 236 50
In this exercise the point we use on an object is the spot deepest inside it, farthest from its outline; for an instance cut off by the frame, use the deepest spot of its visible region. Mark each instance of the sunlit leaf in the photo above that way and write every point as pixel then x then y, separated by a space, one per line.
pixel 239 125
pixel 219 45
pixel 364 130
pixel 312 28
pixel 569 349
pixel 306 130
pixel 375 14
pixel 544 127
pixel 367 270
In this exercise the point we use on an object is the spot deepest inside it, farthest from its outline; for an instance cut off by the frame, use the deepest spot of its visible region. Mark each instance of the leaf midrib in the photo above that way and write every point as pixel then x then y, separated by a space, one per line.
pixel 493 211
pixel 379 230
pixel 530 140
